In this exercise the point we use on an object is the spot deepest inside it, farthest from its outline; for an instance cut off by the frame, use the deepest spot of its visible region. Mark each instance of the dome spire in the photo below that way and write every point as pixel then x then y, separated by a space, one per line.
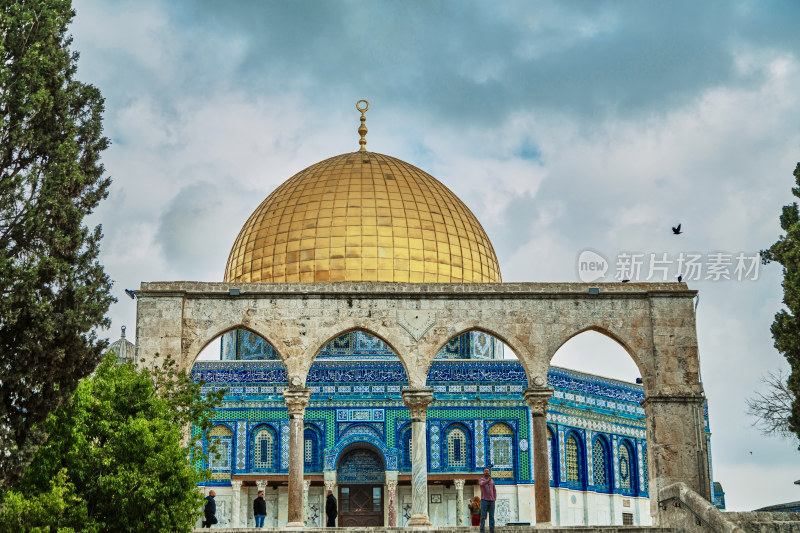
pixel 362 130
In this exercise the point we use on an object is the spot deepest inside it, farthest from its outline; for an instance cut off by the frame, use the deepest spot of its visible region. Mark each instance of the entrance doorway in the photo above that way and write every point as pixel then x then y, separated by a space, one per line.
pixel 361 506
pixel 361 475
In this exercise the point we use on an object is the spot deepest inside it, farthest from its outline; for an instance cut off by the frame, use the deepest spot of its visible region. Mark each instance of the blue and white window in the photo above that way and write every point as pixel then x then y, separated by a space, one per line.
pixel 264 449
pixel 600 464
pixel 457 448
pixel 220 439
pixel 627 469
pixel 501 446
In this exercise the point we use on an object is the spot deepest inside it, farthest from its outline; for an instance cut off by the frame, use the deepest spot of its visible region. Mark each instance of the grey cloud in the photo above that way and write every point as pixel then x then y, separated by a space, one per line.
pixel 479 63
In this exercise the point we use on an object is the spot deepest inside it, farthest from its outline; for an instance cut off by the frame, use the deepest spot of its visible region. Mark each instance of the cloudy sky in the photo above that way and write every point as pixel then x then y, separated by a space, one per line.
pixel 564 126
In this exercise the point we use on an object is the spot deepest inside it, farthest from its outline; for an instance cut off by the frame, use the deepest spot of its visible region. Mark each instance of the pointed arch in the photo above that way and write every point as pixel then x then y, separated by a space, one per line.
pixel 325 337
pixel 637 354
pixel 210 335
pixel 532 366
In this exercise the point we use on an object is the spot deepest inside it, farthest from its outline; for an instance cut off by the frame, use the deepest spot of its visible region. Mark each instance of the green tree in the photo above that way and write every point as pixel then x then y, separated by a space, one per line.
pixel 53 291
pixel 58 510
pixel 123 444
pixel 786 327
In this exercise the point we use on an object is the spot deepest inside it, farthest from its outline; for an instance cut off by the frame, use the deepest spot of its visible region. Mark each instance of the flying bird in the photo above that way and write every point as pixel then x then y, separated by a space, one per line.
pixel 676 230
pixel 130 293
pixel 625 280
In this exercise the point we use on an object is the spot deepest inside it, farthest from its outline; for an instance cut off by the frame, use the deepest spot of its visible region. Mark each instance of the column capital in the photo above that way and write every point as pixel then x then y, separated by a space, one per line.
pixel 262 484
pixel 459 484
pixel 417 401
pixel 537 398
pixel 330 484
pixel 391 485
pixel 236 484
pixel 296 400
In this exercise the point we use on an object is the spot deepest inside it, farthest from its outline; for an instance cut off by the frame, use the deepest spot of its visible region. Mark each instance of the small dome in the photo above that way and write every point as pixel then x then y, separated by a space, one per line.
pixel 123 349
pixel 362 216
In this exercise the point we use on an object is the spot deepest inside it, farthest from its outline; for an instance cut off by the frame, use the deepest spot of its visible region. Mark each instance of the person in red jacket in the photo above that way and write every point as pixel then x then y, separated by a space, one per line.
pixel 488 497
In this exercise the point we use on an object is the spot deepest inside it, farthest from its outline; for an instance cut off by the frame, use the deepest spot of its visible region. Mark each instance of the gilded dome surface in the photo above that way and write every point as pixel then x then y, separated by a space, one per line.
pixel 362 216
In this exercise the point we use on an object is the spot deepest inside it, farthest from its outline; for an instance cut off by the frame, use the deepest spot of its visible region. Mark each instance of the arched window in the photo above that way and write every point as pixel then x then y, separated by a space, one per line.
pixel 311 455
pixel 501 451
pixel 457 448
pixel 600 464
pixel 627 469
pixel 264 449
pixel 220 437
pixel 572 451
pixel 405 440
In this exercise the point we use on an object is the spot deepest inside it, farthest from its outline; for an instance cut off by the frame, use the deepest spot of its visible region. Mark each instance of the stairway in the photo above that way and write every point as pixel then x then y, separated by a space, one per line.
pixel 453 529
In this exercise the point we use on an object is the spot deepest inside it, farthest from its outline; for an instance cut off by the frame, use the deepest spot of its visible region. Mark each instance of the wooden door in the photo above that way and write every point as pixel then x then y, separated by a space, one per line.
pixel 360 506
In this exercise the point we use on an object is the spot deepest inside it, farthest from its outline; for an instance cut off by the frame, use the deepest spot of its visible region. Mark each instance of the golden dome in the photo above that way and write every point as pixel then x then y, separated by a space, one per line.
pixel 362 216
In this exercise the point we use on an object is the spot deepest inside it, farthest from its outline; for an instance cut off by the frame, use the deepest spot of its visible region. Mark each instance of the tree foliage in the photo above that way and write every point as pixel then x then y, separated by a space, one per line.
pixel 121 444
pixel 53 291
pixel 786 327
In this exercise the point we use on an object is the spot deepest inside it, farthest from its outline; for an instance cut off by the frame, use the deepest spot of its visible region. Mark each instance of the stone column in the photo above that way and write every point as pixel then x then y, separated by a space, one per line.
pixel 459 502
pixel 536 398
pixel 236 506
pixel 417 401
pixel 296 399
pixel 391 490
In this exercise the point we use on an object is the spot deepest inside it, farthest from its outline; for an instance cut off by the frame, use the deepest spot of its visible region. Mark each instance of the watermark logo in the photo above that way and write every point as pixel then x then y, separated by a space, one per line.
pixel 591 266
pixel 684 266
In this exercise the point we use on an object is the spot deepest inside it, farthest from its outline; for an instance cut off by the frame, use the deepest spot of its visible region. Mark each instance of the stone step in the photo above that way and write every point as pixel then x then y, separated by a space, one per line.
pixel 452 529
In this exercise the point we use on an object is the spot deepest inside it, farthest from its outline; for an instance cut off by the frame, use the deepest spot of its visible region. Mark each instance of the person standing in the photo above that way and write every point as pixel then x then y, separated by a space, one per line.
pixel 330 510
pixel 488 497
pixel 475 511
pixel 260 509
pixel 210 510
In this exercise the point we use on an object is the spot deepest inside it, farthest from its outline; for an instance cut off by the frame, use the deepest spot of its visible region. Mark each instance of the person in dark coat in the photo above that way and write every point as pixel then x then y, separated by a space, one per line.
pixel 260 509
pixel 210 510
pixel 330 510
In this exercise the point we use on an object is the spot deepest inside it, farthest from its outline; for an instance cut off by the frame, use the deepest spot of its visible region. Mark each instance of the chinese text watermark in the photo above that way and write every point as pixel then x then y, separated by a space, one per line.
pixel 688 266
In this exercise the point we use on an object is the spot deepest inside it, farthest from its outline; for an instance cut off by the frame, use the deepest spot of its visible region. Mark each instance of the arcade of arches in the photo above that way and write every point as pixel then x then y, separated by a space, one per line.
pixel 653 322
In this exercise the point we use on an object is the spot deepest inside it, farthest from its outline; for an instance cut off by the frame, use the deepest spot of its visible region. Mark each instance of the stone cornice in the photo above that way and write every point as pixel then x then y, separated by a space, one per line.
pixel 199 289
